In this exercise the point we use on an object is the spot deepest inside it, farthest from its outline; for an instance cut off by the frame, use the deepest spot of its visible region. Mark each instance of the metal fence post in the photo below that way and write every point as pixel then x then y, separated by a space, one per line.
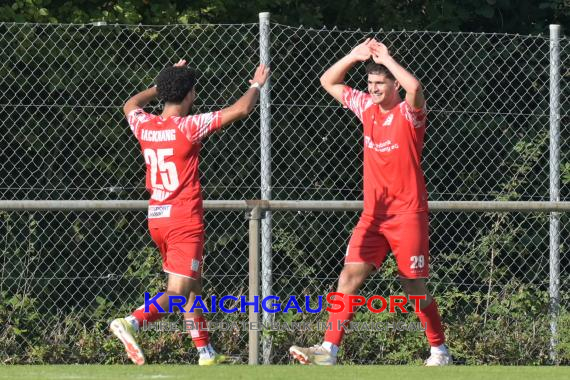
pixel 254 217
pixel 554 288
pixel 265 108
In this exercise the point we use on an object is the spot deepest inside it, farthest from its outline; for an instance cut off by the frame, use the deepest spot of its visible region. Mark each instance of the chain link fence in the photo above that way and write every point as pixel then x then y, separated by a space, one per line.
pixel 65 274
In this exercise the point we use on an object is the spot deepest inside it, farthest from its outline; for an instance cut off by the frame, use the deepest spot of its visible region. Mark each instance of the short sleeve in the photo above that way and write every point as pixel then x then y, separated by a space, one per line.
pixel 416 116
pixel 197 127
pixel 356 101
pixel 136 117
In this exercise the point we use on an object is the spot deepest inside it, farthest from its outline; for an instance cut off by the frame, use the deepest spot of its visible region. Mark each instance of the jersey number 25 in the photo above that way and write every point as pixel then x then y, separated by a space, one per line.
pixel 167 170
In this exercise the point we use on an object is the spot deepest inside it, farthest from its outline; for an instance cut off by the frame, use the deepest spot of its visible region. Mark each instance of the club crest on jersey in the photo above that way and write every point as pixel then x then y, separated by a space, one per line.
pixel 388 121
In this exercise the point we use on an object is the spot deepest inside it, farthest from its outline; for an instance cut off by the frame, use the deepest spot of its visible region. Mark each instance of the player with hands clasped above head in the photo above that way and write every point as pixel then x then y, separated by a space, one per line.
pixel 395 213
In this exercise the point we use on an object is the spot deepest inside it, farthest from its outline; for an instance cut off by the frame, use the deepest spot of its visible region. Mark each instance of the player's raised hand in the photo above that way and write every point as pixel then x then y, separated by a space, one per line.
pixel 362 52
pixel 180 63
pixel 379 52
pixel 261 75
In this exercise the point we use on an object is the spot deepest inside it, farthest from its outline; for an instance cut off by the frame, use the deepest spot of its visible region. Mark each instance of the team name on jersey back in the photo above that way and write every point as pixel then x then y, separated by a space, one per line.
pixel 159 135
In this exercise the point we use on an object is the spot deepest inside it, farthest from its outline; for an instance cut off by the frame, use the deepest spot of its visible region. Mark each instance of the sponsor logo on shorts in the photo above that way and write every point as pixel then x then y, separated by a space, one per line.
pixel 195 265
pixel 159 211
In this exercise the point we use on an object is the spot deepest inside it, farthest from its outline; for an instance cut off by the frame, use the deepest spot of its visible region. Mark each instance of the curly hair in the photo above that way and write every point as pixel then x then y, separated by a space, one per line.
pixel 174 83
pixel 377 69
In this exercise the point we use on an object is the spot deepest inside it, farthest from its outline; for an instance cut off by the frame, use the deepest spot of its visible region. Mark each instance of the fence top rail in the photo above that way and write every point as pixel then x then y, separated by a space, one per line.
pixel 237 205
pixel 103 24
pixel 410 31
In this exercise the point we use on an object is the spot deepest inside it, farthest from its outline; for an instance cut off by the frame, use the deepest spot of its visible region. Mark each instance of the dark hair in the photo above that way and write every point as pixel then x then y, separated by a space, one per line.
pixel 174 83
pixel 377 69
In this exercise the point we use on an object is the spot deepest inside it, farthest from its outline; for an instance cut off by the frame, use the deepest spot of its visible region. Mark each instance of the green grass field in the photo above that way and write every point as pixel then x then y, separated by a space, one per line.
pixel 296 372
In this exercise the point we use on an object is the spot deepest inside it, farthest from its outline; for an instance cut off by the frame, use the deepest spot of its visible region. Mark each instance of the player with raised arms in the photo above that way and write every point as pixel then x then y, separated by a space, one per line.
pixel 395 213
pixel 170 143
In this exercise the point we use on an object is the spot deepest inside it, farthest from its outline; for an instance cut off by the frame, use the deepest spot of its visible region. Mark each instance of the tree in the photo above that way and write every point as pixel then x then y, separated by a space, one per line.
pixel 523 17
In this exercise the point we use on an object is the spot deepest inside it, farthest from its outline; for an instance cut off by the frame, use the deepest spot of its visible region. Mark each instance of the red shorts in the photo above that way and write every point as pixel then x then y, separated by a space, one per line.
pixel 181 245
pixel 406 235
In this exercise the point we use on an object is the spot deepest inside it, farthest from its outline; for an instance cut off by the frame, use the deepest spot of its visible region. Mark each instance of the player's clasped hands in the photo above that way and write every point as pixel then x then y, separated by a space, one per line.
pixel 370 48
pixel 379 51
pixel 362 51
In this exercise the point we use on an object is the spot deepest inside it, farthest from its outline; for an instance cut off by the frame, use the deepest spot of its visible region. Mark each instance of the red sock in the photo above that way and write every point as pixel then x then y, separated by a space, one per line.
pixel 333 333
pixel 198 330
pixel 151 316
pixel 429 317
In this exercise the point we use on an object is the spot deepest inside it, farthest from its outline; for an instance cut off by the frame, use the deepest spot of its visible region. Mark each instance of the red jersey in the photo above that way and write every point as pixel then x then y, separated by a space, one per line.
pixel 393 142
pixel 171 148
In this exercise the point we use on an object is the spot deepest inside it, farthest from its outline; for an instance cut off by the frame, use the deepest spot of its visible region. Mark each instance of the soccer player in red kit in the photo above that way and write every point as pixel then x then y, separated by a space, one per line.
pixel 170 143
pixel 395 213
